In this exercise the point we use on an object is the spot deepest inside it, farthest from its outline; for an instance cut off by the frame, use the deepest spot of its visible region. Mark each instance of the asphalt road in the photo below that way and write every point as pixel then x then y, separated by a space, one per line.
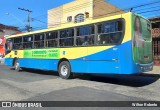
pixel 34 85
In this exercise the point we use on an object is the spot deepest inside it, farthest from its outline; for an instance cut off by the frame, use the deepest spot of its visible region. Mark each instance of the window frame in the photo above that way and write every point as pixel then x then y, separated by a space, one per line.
pixel 90 34
pixel 77 18
pixel 20 43
pixel 75 35
pixel 68 37
pixel 51 39
pixel 122 31
pixel 38 41
pixel 25 42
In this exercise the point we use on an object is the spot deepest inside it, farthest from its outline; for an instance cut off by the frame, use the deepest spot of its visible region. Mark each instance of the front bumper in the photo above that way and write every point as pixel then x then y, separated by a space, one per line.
pixel 145 67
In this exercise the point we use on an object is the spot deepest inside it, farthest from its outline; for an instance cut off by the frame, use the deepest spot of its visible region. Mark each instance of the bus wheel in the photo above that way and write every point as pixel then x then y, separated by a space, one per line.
pixel 64 70
pixel 16 66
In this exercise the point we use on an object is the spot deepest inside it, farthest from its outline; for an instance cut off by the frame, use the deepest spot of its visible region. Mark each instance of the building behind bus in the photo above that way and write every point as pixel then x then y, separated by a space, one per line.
pixel 5 31
pixel 156 39
pixel 79 11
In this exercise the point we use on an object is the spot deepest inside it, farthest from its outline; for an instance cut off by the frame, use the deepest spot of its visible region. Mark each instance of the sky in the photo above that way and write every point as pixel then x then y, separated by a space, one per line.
pixel 10 15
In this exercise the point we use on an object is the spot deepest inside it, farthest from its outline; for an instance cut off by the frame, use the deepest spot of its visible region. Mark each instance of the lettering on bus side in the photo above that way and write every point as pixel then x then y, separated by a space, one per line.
pixel 42 54
pixel 53 53
pixel 39 53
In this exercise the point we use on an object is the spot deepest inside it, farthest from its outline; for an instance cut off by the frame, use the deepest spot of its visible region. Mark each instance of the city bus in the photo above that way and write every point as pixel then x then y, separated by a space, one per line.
pixel 119 44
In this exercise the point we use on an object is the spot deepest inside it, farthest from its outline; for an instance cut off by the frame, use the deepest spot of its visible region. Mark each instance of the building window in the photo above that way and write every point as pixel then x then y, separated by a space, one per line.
pixel 156 47
pixel 69 19
pixel 79 18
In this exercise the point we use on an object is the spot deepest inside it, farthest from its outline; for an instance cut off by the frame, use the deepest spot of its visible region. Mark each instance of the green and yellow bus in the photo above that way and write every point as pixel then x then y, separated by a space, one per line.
pixel 119 44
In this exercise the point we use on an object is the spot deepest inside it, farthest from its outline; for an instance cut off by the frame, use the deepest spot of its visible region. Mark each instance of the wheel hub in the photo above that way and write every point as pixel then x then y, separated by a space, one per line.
pixel 17 66
pixel 64 70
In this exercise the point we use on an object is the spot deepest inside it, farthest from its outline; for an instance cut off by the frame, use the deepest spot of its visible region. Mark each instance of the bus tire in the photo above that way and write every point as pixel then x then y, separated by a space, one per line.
pixel 64 70
pixel 16 65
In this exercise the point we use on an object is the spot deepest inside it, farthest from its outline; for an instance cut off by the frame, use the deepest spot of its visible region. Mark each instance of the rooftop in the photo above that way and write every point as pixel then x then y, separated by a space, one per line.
pixel 155 19
pixel 2 27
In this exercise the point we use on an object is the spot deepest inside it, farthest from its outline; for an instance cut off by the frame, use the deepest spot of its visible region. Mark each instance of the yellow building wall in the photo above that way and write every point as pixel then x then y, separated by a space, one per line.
pixel 103 9
pixel 59 15
pixel 77 7
pixel 55 16
pixel 95 8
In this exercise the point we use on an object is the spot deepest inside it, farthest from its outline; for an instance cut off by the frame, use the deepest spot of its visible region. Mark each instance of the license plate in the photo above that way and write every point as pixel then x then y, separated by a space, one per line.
pixel 146 68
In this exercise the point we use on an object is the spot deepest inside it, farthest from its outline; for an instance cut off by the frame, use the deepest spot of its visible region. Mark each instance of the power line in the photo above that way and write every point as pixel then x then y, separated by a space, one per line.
pixel 147 8
pixel 128 8
pixel 146 4
pixel 105 14
pixel 111 12
pixel 73 8
pixel 149 11
pixel 34 19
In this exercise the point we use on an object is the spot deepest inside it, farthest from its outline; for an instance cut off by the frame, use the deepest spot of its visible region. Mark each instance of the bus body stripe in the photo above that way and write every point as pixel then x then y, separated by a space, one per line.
pixel 101 62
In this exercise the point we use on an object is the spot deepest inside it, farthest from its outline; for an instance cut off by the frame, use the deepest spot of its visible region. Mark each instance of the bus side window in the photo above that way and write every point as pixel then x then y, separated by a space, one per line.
pixel 85 42
pixel 66 37
pixel 110 32
pixel 85 35
pixel 20 47
pixel 17 42
pixel 51 39
pixel 99 40
pixel 28 42
pixel 39 41
pixel 115 37
pixel 103 39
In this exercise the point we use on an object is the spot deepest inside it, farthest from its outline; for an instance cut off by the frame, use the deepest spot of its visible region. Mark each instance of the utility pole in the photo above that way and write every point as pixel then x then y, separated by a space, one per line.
pixel 29 11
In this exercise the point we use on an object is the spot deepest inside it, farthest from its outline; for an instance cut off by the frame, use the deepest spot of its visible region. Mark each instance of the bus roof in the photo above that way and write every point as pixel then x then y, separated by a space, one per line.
pixel 69 25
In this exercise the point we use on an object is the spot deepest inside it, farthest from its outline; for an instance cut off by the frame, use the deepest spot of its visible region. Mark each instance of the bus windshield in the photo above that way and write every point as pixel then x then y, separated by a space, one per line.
pixel 8 46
